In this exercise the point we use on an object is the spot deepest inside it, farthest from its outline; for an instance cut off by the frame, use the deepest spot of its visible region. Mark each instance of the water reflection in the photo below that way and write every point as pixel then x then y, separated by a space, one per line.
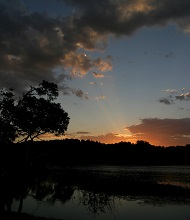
pixel 100 190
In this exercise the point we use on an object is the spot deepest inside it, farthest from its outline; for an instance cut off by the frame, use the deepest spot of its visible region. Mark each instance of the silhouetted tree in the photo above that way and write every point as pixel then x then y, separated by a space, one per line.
pixel 7 109
pixel 33 114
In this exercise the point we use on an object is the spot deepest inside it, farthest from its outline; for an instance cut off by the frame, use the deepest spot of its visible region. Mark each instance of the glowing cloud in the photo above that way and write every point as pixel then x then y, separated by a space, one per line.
pixel 102 97
pixel 162 131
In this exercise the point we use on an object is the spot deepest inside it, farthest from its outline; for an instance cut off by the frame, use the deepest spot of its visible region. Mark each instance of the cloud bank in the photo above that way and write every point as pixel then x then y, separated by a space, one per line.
pixel 164 132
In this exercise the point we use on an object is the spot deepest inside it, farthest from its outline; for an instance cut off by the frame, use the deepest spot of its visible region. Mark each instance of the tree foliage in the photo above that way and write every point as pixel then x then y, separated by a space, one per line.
pixel 33 114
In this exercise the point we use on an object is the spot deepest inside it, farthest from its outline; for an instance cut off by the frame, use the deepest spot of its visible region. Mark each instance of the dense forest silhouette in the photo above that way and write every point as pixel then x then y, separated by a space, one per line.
pixel 86 152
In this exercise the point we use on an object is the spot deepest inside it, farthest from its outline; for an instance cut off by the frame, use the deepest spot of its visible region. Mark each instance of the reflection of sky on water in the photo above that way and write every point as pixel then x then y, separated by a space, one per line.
pixel 171 169
pixel 132 209
pixel 119 207
pixel 173 175
pixel 176 183
pixel 137 210
pixel 72 210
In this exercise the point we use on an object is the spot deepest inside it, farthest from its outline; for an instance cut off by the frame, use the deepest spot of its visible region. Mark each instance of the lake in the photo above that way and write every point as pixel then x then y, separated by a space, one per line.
pixel 109 192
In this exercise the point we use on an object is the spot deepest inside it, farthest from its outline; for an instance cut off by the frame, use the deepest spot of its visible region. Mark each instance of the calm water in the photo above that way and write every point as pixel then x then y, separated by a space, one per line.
pixel 111 192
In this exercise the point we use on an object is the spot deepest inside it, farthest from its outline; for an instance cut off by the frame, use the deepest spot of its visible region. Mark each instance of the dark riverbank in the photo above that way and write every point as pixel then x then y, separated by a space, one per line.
pixel 21 216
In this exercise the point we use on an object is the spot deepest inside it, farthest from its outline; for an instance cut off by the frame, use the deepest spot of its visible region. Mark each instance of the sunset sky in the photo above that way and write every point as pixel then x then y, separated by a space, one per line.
pixel 122 66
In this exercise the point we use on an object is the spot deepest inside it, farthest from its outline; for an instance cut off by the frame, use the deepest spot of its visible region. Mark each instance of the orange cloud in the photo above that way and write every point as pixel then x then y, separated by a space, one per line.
pixel 165 132
pixel 98 75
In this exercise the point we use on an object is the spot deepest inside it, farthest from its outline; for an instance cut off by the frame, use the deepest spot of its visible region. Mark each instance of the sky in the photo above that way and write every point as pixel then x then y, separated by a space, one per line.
pixel 122 66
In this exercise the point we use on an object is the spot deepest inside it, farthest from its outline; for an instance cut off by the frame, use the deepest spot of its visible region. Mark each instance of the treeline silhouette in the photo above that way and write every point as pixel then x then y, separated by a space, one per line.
pixel 86 152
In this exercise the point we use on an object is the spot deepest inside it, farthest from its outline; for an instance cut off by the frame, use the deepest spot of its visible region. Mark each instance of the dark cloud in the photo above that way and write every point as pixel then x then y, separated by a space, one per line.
pixel 82 132
pixel 123 17
pixel 170 55
pixel 34 43
pixel 174 96
pixel 79 93
pixel 181 109
pixel 167 101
